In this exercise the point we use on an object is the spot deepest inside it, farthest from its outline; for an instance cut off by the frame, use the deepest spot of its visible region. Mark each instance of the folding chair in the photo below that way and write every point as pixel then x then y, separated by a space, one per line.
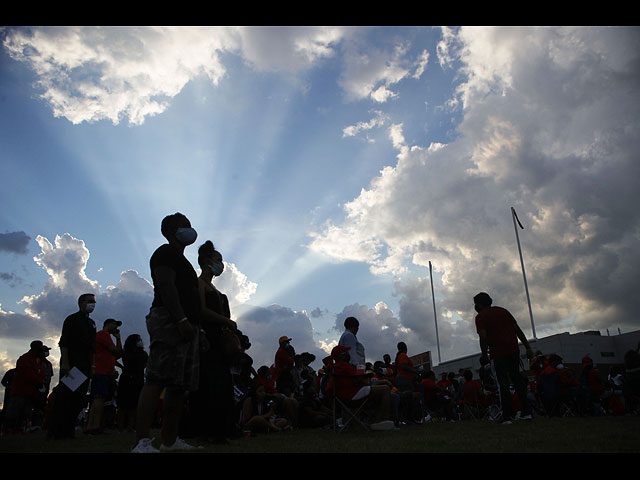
pixel 347 409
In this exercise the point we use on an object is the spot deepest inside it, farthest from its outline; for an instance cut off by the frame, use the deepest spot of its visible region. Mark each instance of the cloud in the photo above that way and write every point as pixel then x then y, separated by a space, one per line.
pixel 378 120
pixel 65 261
pixel 112 73
pixel 550 127
pixel 287 49
pixel 371 72
pixel 88 74
pixel 14 242
pixel 265 325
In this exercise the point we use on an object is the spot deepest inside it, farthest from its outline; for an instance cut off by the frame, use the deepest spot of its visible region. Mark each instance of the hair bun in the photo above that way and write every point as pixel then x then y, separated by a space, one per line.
pixel 207 248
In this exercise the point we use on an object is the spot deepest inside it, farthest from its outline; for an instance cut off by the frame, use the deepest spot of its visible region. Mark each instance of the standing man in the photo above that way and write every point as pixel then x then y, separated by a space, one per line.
pixel 349 339
pixel 284 365
pixel 28 382
pixel 77 348
pixel 105 362
pixel 173 324
pixel 499 333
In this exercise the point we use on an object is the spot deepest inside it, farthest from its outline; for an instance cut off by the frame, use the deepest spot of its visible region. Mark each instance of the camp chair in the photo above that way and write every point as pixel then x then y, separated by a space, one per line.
pixel 347 409
pixel 493 410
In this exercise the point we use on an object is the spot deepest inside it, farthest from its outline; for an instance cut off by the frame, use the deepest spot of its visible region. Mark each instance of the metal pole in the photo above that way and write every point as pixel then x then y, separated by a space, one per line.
pixel 526 287
pixel 435 316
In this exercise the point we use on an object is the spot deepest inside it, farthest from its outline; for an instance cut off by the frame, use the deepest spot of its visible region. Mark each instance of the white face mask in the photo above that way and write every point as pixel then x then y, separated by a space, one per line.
pixel 90 307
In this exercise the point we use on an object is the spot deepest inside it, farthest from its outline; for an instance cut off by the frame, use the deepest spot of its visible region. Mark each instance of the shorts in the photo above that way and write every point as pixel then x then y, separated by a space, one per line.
pixel 100 386
pixel 173 361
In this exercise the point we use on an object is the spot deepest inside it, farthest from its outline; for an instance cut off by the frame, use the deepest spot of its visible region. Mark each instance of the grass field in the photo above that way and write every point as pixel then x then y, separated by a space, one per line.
pixel 540 435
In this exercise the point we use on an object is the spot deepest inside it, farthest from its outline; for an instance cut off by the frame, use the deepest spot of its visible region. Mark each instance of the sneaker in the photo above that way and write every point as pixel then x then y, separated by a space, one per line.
pixel 178 445
pixel 506 422
pixel 526 417
pixel 427 419
pixel 145 446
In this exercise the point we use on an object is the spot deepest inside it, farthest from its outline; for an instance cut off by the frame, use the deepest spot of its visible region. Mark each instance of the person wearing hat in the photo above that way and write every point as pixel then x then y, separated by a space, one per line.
pixel 40 406
pixel 28 380
pixel 499 333
pixel 284 364
pixel 107 352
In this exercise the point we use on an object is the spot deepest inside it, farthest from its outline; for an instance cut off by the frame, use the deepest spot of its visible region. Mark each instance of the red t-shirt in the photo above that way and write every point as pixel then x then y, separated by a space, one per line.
pixel 501 334
pixel 344 375
pixel 472 392
pixel 403 362
pixel 105 361
pixel 429 389
pixel 29 376
pixel 283 360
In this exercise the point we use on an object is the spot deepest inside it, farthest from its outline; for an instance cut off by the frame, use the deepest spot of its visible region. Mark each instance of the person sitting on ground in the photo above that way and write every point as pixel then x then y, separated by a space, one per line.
pixel 351 385
pixel 260 414
pixel 312 413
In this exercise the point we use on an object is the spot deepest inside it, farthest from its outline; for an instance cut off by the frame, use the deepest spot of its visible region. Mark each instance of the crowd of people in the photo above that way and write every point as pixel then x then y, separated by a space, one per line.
pixel 198 383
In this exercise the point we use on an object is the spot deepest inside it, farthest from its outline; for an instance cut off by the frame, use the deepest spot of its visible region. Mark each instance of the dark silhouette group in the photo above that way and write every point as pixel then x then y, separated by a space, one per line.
pixel 198 384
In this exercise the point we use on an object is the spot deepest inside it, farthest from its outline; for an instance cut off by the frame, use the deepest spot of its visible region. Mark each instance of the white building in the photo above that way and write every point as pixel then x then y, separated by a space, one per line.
pixel 605 351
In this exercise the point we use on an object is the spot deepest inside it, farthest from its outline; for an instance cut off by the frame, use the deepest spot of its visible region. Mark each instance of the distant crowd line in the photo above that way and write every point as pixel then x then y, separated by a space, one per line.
pixel 198 384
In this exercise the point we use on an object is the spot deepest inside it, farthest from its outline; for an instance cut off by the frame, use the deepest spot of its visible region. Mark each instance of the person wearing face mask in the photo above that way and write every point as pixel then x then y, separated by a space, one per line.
pixel 107 353
pixel 77 348
pixel 213 405
pixel 134 361
pixel 173 324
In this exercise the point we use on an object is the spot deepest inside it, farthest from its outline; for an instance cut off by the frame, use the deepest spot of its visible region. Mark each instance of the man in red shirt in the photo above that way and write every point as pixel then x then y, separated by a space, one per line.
pixel 28 380
pixel 499 333
pixel 105 361
pixel 282 374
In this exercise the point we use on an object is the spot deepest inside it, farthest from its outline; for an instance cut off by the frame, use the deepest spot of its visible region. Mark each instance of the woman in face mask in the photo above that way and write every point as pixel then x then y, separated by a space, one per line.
pixel 214 400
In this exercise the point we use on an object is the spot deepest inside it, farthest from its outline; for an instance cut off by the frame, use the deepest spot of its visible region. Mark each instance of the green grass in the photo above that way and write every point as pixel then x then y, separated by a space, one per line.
pixel 541 435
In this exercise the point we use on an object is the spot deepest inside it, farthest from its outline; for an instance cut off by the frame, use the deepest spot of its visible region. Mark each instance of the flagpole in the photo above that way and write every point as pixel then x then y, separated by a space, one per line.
pixel 524 276
pixel 435 317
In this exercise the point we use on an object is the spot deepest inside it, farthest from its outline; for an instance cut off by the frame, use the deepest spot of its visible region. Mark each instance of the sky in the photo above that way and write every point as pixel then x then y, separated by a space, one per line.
pixel 329 166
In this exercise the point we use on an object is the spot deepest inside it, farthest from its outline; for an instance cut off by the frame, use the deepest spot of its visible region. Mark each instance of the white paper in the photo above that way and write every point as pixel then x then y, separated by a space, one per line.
pixel 74 379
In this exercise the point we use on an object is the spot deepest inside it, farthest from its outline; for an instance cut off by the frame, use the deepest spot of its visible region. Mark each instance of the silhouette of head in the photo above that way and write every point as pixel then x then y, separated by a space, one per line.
pixel 482 300
pixel 171 223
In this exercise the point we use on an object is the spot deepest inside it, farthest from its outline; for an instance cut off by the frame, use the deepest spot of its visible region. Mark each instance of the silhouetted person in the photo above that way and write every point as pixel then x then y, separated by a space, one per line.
pixel 173 324
pixel 214 402
pixel 77 348
pixel 499 333
pixel 107 352
pixel 349 339
pixel 134 362
pixel 28 382
pixel 284 364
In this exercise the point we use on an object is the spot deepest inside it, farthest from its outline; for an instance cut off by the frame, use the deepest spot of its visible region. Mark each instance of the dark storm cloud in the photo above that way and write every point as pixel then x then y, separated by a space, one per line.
pixel 14 242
